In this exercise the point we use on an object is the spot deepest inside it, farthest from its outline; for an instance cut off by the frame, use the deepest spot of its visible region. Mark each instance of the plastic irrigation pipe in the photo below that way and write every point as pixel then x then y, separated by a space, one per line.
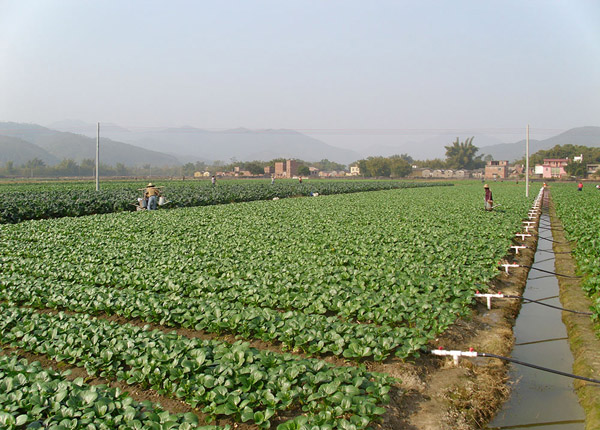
pixel 535 366
pixel 546 304
pixel 543 227
pixel 456 354
pixel 554 241
pixel 489 296
pixel 549 250
pixel 548 271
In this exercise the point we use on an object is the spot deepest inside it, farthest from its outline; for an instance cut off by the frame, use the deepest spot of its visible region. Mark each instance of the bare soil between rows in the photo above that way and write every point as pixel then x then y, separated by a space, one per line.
pixel 583 338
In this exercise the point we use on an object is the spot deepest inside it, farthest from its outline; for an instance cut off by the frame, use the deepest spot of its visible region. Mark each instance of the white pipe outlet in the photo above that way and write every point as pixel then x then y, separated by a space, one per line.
pixel 488 297
pixel 506 266
pixel 454 354
pixel 523 235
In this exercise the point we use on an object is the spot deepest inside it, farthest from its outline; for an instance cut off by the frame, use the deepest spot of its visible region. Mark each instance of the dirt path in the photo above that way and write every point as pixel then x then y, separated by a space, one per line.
pixel 583 339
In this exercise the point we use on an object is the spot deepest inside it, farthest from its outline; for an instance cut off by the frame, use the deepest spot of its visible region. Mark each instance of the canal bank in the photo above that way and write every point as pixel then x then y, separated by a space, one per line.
pixel 540 399
pixel 584 342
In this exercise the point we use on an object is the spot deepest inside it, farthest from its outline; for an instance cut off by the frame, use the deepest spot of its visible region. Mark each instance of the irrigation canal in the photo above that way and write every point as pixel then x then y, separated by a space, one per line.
pixel 541 400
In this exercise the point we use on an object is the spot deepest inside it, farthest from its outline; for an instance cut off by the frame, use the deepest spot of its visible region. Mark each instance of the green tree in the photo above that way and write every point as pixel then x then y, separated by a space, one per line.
pixel 200 166
pixel 188 169
pixel 461 155
pixel 10 168
pixel 35 166
pixel 255 167
pixel 399 166
pixel 303 171
pixel 576 169
pixel 378 166
pixel 362 166
pixel 121 169
pixel 436 163
pixel 328 166
pixel 67 167
pixel 34 163
pixel 407 158
pixel 87 167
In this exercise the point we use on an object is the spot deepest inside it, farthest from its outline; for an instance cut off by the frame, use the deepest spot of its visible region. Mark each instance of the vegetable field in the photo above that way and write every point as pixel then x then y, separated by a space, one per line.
pixel 20 202
pixel 579 214
pixel 361 276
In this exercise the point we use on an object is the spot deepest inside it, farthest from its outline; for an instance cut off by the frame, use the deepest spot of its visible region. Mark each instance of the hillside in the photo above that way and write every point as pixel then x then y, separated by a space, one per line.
pixel 586 136
pixel 20 151
pixel 61 145
pixel 193 144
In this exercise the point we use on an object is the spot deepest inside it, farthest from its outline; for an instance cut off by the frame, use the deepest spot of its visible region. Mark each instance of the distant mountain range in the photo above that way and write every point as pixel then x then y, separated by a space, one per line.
pixel 22 142
pixel 585 136
pixel 173 146
pixel 189 144
pixel 20 151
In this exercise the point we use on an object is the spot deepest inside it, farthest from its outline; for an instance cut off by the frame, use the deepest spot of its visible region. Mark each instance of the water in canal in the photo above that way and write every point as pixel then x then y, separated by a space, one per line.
pixel 541 400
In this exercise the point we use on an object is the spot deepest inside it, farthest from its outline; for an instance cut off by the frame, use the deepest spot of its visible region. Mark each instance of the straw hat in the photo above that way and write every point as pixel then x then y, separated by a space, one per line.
pixel 486 186
pixel 150 184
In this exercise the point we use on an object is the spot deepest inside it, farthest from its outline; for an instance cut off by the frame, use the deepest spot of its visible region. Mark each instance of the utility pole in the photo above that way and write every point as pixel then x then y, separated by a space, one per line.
pixel 527 163
pixel 98 158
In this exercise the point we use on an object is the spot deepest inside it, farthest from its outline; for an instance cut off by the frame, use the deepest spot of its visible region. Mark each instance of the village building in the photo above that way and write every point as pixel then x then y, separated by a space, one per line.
pixel 286 169
pixel 496 169
pixel 592 169
pixel 552 168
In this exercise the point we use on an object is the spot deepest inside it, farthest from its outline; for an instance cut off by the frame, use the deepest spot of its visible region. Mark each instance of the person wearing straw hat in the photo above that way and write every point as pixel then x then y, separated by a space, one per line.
pixel 152 194
pixel 489 203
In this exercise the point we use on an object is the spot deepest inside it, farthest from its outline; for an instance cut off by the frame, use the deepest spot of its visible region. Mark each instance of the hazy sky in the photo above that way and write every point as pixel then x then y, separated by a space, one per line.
pixel 355 69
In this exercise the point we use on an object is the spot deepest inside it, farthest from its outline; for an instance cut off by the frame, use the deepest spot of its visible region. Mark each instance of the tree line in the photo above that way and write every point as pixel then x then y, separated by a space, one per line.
pixel 459 155
pixel 37 168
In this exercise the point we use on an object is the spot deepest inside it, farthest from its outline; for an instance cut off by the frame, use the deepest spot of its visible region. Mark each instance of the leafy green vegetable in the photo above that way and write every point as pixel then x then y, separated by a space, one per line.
pixel 42 398
pixel 578 211
pixel 234 380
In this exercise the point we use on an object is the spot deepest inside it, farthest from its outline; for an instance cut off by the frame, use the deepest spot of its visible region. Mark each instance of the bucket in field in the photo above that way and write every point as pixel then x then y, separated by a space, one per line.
pixel 161 201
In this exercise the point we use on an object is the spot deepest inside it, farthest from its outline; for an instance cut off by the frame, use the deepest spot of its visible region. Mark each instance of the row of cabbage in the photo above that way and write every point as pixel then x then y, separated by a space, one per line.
pixel 223 379
pixel 362 275
pixel 33 397
pixel 578 211
pixel 55 200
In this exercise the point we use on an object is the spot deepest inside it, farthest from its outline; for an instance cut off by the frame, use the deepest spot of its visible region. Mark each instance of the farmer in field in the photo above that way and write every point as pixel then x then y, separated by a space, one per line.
pixel 580 186
pixel 152 194
pixel 489 203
